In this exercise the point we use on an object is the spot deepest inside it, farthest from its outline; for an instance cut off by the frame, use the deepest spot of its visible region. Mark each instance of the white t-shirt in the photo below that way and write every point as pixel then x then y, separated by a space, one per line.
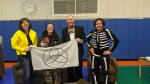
pixel 72 36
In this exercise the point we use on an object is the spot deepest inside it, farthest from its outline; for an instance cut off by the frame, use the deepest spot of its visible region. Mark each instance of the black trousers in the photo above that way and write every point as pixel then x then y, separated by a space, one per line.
pixel 74 73
pixel 102 61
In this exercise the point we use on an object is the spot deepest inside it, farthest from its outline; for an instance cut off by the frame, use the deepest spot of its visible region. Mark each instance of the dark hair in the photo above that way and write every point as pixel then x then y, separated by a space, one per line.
pixel 21 21
pixel 103 22
pixel 45 32
pixel 53 27
pixel 48 24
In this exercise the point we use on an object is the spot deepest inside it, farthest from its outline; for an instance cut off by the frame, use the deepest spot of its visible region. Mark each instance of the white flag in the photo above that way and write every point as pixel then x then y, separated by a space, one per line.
pixel 60 56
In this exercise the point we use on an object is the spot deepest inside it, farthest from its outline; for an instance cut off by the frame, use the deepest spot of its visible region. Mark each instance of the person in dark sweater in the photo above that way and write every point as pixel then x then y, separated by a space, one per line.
pixel 74 32
pixel 50 38
pixel 101 49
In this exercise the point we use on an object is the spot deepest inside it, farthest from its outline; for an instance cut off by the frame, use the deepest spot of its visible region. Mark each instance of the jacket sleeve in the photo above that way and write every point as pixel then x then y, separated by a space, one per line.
pixel 14 43
pixel 82 35
pixel 88 37
pixel 115 40
pixel 39 42
pixel 59 40
pixel 63 36
pixel 35 40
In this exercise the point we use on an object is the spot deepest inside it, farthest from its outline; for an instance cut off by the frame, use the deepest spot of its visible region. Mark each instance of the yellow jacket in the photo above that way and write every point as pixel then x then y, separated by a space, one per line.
pixel 19 41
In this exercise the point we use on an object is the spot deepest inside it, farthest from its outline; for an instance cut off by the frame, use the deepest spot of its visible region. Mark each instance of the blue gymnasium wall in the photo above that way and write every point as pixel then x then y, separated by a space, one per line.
pixel 133 35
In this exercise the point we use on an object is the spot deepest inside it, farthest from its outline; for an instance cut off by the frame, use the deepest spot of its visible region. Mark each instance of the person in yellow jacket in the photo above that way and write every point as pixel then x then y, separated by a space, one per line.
pixel 21 41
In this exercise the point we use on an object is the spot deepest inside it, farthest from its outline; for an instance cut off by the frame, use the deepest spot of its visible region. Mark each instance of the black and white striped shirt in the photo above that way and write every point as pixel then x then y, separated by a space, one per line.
pixel 101 40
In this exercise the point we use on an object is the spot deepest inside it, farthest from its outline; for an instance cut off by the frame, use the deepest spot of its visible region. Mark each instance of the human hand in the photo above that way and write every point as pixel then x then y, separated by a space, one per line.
pixel 92 50
pixel 79 40
pixel 43 44
pixel 107 52
pixel 27 49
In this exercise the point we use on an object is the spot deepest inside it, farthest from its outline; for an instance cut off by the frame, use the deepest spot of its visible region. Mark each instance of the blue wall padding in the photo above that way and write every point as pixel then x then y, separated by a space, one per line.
pixel 133 34
pixel 146 37
pixel 136 39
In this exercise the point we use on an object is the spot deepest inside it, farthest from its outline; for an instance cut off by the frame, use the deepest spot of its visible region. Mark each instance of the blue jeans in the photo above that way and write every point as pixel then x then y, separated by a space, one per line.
pixel 26 64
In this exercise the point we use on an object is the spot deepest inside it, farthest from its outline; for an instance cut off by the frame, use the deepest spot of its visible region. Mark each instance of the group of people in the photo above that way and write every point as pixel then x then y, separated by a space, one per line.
pixel 100 51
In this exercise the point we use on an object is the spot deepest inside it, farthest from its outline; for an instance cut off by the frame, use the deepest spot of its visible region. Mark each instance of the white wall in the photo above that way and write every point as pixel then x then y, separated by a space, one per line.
pixel 146 8
pixel 121 8
pixel 12 9
pixel 2 10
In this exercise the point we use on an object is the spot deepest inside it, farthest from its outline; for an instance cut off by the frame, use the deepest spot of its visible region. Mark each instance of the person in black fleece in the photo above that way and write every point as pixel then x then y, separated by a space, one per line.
pixel 50 38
